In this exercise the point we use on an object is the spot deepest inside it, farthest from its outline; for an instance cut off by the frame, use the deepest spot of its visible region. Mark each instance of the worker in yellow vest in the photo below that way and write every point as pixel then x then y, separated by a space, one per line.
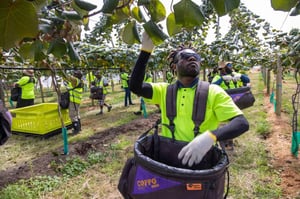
pixel 26 83
pixel 75 86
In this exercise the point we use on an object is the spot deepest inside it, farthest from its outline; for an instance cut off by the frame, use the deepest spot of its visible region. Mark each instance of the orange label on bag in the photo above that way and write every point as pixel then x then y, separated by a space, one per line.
pixel 194 187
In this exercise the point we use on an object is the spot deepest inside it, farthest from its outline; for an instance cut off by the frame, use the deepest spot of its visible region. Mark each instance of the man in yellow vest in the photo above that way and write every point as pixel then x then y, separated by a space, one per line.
pixel 90 77
pixel 125 85
pixel 102 82
pixel 229 79
pixel 26 83
pixel 75 87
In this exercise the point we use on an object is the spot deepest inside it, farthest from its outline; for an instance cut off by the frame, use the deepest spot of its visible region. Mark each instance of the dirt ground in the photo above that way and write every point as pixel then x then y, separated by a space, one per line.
pixel 278 147
pixel 279 144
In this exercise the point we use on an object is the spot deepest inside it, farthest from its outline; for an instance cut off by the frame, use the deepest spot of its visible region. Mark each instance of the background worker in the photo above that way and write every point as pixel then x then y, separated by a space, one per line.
pixel 90 77
pixel 125 85
pixel 147 78
pixel 102 82
pixel 26 83
pixel 169 77
pixel 212 73
pixel 75 86
pixel 229 79
pixel 219 106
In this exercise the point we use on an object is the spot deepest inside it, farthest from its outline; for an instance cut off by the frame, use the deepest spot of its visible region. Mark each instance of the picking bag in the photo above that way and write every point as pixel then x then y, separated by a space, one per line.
pixel 156 172
pixel 15 93
pixel 96 92
pixel 242 97
pixel 5 124
pixel 64 100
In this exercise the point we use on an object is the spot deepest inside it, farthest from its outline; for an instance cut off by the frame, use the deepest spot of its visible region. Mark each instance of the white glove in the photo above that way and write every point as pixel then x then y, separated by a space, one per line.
pixel 147 44
pixel 197 148
pixel 227 78
pixel 237 77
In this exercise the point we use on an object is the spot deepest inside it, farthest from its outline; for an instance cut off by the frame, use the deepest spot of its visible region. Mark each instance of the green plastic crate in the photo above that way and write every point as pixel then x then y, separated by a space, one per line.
pixel 40 119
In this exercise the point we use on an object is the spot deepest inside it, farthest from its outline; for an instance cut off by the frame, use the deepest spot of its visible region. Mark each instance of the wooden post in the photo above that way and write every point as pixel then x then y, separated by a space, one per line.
pixel 265 73
pixel 2 93
pixel 268 81
pixel 112 83
pixel 41 89
pixel 278 87
pixel 164 73
pixel 204 73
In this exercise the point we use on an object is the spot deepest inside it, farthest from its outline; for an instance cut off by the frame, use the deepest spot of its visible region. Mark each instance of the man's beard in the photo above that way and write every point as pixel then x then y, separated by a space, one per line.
pixel 189 71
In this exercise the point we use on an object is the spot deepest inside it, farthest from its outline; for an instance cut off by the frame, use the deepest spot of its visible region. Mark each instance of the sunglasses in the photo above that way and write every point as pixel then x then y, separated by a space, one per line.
pixel 229 65
pixel 187 56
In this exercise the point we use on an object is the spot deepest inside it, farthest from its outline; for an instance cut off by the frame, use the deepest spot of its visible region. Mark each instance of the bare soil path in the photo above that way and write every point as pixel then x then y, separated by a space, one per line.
pixel 279 144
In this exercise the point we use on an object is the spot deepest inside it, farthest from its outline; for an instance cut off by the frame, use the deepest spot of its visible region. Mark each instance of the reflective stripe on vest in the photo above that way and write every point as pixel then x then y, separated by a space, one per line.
pixel 75 93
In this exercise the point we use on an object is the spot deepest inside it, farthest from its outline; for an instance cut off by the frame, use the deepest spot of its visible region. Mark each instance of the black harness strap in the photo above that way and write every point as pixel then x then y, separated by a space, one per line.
pixel 199 107
pixel 171 106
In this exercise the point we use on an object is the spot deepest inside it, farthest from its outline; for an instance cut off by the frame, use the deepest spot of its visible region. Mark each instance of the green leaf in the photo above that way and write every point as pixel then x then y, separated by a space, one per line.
pixel 39 4
pixel 188 14
pixel 296 10
pixel 26 51
pixel 38 48
pixel 222 7
pixel 283 5
pixel 120 15
pixel 172 27
pixel 81 12
pixel 85 5
pixel 157 10
pixel 73 54
pixel 32 51
pixel 57 47
pixel 143 2
pixel 138 15
pixel 18 59
pixel 86 24
pixel 109 6
pixel 18 19
pixel 155 33
pixel 130 34
pixel 71 15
